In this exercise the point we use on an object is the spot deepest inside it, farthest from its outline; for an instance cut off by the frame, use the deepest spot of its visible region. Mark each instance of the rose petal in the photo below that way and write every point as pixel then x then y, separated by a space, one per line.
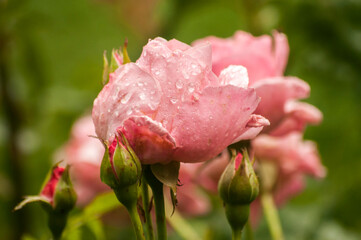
pixel 210 123
pixel 290 153
pixel 263 56
pixel 298 115
pixel 149 139
pixel 133 92
pixel 274 93
pixel 234 75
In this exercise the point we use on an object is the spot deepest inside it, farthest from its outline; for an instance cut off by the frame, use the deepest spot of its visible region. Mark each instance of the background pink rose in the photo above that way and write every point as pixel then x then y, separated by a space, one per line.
pixel 172 107
pixel 265 58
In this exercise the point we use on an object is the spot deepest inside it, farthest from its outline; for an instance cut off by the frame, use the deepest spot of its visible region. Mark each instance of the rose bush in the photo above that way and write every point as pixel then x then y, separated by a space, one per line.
pixel 172 107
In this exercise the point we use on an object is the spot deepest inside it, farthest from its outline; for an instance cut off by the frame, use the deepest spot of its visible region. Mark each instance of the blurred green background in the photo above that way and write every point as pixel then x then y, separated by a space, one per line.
pixel 51 70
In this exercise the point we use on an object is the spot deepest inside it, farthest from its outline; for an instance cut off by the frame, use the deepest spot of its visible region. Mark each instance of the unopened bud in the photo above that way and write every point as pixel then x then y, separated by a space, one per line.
pixel 121 170
pixel 57 196
pixel 238 187
pixel 239 183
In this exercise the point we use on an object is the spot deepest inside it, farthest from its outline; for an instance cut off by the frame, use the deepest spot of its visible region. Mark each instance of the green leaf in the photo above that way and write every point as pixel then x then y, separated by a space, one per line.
pixel 167 173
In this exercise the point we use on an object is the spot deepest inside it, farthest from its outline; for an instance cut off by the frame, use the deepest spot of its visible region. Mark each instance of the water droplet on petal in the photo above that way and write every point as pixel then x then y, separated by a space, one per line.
pixel 179 84
pixel 142 96
pixel 173 100
pixel 116 113
pixel 125 98
pixel 140 84
pixel 129 111
pixel 190 88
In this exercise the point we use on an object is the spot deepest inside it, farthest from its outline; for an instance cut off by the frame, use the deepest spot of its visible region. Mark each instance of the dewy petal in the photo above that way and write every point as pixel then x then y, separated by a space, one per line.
pixel 298 115
pixel 235 75
pixel 180 75
pixel 207 125
pixel 132 92
pixel 274 93
pixel 149 139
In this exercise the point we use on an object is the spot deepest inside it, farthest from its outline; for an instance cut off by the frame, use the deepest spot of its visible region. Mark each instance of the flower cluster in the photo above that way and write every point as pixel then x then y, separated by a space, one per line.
pixel 181 113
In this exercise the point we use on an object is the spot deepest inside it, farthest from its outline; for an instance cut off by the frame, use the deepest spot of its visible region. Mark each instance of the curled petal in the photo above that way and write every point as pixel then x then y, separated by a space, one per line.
pixel 149 139
pixel 257 121
pixel 274 93
pixel 298 115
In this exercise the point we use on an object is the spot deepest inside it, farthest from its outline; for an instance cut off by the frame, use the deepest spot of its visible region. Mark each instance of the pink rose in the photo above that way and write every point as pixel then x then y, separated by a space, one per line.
pixel 84 154
pixel 172 107
pixel 265 59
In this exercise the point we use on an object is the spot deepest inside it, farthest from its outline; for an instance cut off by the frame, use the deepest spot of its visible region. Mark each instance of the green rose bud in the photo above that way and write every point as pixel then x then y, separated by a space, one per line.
pixel 121 170
pixel 239 183
pixel 238 187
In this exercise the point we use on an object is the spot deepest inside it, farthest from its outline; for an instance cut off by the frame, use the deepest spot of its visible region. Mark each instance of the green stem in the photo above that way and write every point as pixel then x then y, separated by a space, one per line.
pixel 160 212
pixel 236 234
pixel 148 219
pixel 57 222
pixel 157 189
pixel 137 224
pixel 249 231
pixel 272 218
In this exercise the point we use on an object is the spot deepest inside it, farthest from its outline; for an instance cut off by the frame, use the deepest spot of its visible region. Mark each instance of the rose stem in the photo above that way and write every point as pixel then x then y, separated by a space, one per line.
pixel 148 219
pixel 271 215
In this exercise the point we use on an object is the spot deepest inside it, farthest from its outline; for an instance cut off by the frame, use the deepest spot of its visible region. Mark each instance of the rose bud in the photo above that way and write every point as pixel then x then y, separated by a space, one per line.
pixel 239 183
pixel 121 170
pixel 57 197
pixel 238 187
